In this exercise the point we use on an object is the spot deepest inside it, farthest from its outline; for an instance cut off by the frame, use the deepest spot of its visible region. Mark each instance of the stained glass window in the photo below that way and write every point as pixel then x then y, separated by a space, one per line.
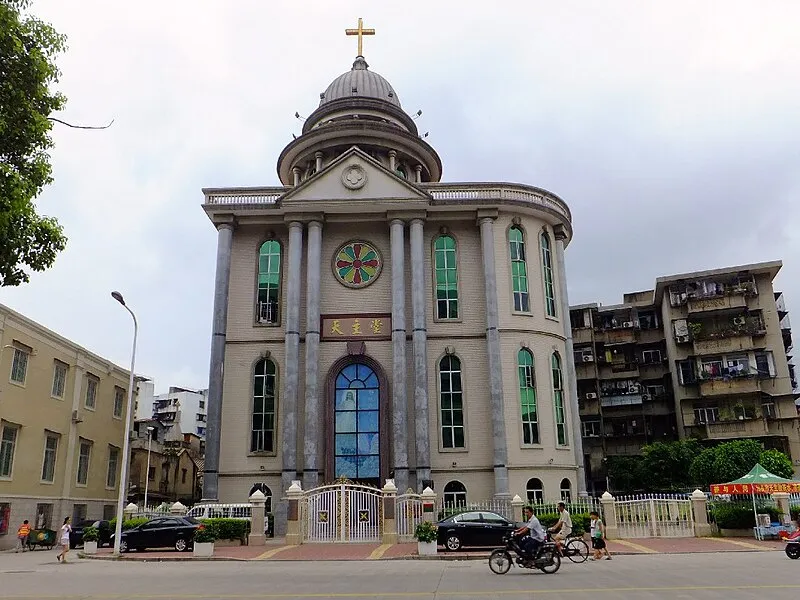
pixel 547 274
pixel 446 271
pixel 558 401
pixel 519 270
pixel 269 280
pixel 262 435
pixel 357 424
pixel 527 395
pixel 451 402
pixel 357 264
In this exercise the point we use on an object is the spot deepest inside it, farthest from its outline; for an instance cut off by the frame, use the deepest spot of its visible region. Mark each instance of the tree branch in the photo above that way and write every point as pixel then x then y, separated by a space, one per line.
pixel 80 126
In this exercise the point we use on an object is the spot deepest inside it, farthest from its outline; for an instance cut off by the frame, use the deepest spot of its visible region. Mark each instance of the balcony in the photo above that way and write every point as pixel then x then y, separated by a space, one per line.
pixel 740 428
pixel 621 400
pixel 620 370
pixel 697 305
pixel 729 387
pixel 583 335
pixel 723 345
pixel 617 336
pixel 585 370
pixel 652 370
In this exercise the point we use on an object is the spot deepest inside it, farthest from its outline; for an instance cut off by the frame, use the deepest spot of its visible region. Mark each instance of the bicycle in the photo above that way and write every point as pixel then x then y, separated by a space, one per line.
pixel 575 549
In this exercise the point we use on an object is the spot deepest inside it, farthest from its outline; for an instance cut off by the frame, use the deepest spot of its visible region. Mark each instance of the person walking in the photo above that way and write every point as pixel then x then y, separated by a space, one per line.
pixel 598 534
pixel 63 538
pixel 22 535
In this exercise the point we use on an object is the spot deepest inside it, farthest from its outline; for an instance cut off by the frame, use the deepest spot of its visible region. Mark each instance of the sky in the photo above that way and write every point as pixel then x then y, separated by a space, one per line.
pixel 670 129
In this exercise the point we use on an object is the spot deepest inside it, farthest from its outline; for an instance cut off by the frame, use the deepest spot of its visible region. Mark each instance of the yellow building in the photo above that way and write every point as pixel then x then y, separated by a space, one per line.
pixel 61 428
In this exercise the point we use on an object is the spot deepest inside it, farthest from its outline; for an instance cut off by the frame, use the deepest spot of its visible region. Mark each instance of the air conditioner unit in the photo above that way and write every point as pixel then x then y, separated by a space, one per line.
pixel 634 389
pixel 739 320
pixel 588 358
pixel 682 339
pixel 75 417
pixel 628 324
pixel 591 396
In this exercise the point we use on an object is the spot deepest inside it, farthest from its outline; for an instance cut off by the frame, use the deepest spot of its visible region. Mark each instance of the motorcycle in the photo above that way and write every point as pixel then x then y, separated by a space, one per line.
pixel 546 559
pixel 793 548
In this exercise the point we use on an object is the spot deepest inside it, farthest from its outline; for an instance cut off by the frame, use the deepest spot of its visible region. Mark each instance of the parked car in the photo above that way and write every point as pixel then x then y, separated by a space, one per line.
pixel 476 529
pixel 162 532
pixel 103 530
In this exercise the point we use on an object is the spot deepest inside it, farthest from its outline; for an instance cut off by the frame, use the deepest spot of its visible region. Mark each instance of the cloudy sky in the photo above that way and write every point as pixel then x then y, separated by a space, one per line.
pixel 670 128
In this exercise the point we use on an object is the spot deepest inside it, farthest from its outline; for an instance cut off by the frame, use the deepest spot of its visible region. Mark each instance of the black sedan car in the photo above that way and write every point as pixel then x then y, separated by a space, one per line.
pixel 163 532
pixel 477 528
pixel 103 530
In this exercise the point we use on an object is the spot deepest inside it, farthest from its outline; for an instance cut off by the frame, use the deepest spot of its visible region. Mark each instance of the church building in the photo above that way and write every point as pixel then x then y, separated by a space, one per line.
pixel 372 321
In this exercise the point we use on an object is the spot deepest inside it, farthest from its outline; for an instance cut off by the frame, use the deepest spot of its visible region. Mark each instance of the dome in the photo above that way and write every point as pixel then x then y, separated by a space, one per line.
pixel 359 82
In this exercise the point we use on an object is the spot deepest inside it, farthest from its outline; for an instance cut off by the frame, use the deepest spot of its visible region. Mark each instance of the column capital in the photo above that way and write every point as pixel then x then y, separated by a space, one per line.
pixel 406 215
pixel 318 154
pixel 560 232
pixel 486 214
pixel 225 220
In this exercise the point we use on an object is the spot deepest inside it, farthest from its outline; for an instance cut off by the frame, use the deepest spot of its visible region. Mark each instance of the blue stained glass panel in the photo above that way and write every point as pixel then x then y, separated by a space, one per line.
pixel 368 400
pixel 368 466
pixel 345 444
pixel 346 422
pixel 346 466
pixel 351 372
pixel 356 384
pixel 368 420
pixel 371 381
pixel 342 382
pixel 368 443
pixel 345 399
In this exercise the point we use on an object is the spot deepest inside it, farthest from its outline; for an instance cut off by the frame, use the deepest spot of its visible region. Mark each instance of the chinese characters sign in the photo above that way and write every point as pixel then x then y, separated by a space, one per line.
pixel 755 488
pixel 356 327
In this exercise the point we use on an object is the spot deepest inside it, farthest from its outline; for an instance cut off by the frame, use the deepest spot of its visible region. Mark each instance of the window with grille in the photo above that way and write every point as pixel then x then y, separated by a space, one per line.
pixel 19 365
pixel 91 393
pixel 113 463
pixel 83 462
pixel 527 394
pixel 269 280
pixel 59 379
pixel 119 395
pixel 519 270
pixel 8 444
pixel 262 435
pixel 49 459
pixel 451 403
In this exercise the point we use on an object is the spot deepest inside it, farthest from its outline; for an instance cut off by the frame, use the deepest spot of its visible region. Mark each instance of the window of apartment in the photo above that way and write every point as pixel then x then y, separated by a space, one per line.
pixel 262 434
pixel 455 494
pixel 519 270
pixel 151 474
pixel 8 444
pixel 451 403
pixel 738 366
pixel 49 459
pixel 91 392
pixel 59 379
pixel 44 516
pixel 165 473
pixel 558 400
pixel 650 357
pixel 201 431
pixel 706 414
pixel 269 281
pixel 202 404
pixel 535 491
pixel 113 463
pixel 547 274
pixel 647 320
pixel 19 364
pixel 527 394
pixel 768 410
pixel 686 373
pixel 446 273
pixel 577 319
pixel 83 461
pixel 764 364
pixel 183 475
pixel 711 368
pixel 79 513
pixel 591 428
pixel 655 390
pixel 119 395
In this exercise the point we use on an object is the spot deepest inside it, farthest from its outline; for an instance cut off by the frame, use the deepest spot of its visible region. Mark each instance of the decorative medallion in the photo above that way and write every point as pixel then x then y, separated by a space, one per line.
pixel 357 264
pixel 354 177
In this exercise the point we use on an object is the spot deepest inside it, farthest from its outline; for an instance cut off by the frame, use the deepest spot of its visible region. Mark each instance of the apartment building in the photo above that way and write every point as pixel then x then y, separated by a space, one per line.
pixel 704 355
pixel 61 428
pixel 183 406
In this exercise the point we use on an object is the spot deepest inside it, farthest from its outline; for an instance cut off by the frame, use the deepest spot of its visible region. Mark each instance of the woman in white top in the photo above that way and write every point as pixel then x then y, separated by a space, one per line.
pixel 63 538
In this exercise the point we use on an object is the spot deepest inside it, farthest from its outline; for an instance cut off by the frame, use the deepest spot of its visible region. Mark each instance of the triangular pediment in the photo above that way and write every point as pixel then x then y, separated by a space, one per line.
pixel 356 178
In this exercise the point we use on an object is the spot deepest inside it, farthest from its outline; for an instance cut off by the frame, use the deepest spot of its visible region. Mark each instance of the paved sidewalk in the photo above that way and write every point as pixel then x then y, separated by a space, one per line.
pixel 277 550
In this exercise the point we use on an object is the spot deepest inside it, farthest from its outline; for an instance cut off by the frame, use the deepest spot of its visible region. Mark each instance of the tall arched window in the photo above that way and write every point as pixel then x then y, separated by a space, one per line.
pixel 269 280
pixel 547 274
pixel 566 491
pixel 535 491
pixel 451 402
pixel 519 270
pixel 446 271
pixel 357 424
pixel 262 437
pixel 558 401
pixel 455 494
pixel 527 396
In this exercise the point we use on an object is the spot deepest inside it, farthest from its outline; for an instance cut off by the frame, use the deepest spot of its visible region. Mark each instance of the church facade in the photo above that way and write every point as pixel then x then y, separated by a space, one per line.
pixel 373 322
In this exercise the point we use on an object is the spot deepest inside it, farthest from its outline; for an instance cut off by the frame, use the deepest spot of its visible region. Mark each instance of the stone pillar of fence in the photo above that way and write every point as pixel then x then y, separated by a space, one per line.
pixel 782 501
pixel 178 509
pixel 256 536
pixel 610 515
pixel 702 528
pixel 130 510
pixel 294 494
pixel 428 497
pixel 516 508
pixel 389 519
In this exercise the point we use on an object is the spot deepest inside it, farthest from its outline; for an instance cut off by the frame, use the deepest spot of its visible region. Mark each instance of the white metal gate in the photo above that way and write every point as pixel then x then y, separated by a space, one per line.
pixel 652 516
pixel 342 512
pixel 408 514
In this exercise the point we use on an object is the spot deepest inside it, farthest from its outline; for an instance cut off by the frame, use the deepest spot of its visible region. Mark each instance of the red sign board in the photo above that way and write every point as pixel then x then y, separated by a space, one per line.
pixel 754 488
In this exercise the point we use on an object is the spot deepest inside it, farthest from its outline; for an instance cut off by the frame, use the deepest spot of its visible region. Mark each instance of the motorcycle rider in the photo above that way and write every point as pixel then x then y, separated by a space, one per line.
pixel 535 538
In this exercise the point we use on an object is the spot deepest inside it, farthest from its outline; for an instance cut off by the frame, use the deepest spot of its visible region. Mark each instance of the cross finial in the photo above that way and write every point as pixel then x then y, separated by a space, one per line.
pixel 360 32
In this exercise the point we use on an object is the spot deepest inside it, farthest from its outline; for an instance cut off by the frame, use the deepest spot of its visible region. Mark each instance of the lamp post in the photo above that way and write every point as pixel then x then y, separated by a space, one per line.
pixel 147 473
pixel 123 478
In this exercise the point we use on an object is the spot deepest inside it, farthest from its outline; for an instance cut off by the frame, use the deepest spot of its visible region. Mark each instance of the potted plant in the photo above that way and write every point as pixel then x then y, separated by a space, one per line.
pixel 204 538
pixel 90 537
pixel 426 534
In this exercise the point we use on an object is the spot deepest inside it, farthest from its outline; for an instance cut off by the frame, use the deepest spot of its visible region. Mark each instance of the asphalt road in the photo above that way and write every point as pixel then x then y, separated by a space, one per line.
pixel 732 576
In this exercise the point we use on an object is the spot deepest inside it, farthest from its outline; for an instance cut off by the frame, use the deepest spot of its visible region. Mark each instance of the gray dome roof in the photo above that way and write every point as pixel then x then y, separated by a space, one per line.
pixel 359 82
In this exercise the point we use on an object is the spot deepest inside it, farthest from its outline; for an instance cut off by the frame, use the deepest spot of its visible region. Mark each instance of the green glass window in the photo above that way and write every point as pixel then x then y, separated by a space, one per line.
pixel 558 401
pixel 451 402
pixel 262 438
pixel 446 271
pixel 547 272
pixel 527 395
pixel 519 270
pixel 269 280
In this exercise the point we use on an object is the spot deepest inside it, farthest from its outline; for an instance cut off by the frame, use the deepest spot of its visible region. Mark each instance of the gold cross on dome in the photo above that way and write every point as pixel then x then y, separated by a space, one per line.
pixel 360 32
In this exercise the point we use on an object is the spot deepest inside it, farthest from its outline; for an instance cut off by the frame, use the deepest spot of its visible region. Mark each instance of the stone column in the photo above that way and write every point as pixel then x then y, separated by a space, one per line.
pixel 569 363
pixel 782 501
pixel 399 373
pixel 428 497
pixel 294 494
pixel 257 519
pixel 389 519
pixel 313 413
pixel 217 362
pixel 610 515
pixel 420 345
pixel 516 506
pixel 495 360
pixel 702 528
pixel 178 509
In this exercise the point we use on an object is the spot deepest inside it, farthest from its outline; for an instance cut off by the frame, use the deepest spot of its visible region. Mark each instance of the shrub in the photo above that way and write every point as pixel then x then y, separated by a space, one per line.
pixel 205 534
pixel 580 521
pixel 228 529
pixel 739 515
pixel 128 524
pixel 90 534
pixel 426 532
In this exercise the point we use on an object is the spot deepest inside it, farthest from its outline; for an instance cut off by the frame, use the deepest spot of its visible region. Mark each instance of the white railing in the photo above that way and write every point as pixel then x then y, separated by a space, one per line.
pixel 343 512
pixel 408 514
pixel 244 196
pixel 654 515
pixel 575 507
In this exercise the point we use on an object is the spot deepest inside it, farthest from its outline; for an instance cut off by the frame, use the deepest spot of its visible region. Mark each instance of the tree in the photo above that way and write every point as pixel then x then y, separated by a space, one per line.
pixel 701 470
pixel 28 48
pixel 734 459
pixel 624 473
pixel 777 463
pixel 665 465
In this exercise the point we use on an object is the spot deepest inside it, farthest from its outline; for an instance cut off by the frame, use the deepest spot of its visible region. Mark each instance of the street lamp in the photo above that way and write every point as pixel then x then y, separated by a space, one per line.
pixel 123 477
pixel 147 473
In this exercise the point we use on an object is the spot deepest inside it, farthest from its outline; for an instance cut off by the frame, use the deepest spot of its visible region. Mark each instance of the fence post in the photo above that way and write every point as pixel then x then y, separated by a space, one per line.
pixel 294 494
pixel 257 515
pixel 610 515
pixel 129 511
pixel 516 507
pixel 702 528
pixel 178 509
pixel 389 519
pixel 428 497
pixel 782 500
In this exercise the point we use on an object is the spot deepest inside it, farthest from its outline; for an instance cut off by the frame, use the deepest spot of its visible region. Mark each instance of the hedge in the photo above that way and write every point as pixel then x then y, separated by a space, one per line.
pixel 739 515
pixel 580 522
pixel 128 523
pixel 228 529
